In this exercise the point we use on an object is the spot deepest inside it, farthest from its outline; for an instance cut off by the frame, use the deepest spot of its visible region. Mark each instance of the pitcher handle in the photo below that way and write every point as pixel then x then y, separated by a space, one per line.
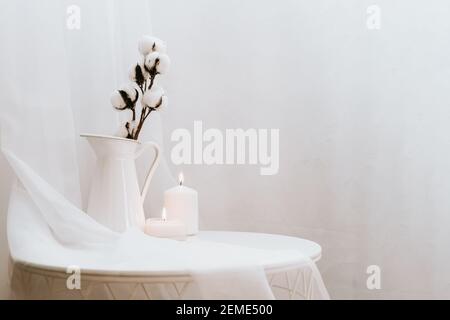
pixel 153 166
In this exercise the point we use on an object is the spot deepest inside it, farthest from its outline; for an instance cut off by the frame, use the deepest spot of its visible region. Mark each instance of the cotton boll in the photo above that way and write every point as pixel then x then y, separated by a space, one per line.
pixel 146 45
pixel 127 129
pixel 150 61
pixel 159 46
pixel 164 102
pixel 141 64
pixel 144 70
pixel 131 91
pixel 122 131
pixel 163 64
pixel 158 62
pixel 117 101
pixel 138 74
pixel 153 98
pixel 149 44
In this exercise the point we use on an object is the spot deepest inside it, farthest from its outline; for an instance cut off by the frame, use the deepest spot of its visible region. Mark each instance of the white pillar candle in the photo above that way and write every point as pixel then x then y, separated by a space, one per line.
pixel 181 203
pixel 164 228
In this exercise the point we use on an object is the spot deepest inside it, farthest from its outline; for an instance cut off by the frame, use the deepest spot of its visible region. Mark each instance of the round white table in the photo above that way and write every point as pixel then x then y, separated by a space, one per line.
pixel 37 281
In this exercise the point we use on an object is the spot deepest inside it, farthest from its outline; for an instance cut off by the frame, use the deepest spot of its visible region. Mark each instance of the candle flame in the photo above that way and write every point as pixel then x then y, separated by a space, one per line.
pixel 164 214
pixel 181 178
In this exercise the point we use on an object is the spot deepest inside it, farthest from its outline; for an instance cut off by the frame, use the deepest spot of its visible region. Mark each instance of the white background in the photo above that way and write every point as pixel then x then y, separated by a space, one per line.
pixel 363 118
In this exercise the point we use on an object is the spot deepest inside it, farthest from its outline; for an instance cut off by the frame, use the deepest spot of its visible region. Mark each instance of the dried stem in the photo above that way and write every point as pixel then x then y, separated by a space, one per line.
pixel 144 116
pixel 145 111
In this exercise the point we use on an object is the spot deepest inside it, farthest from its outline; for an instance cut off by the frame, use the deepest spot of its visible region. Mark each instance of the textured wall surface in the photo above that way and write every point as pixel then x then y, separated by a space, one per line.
pixel 363 117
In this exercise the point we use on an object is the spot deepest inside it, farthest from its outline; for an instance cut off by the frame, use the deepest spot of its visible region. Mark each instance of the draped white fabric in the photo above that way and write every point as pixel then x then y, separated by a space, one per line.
pixel 56 84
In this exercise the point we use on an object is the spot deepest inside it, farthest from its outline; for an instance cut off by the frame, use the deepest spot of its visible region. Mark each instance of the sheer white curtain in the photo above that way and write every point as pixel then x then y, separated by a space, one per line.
pixel 57 79
pixel 66 75
pixel 77 69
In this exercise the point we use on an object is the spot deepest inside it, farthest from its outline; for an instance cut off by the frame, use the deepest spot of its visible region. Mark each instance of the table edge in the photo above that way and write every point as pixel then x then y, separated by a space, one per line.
pixel 62 272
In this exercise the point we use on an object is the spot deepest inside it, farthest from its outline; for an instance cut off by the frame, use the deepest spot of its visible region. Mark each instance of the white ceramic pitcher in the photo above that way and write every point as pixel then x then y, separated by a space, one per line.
pixel 115 199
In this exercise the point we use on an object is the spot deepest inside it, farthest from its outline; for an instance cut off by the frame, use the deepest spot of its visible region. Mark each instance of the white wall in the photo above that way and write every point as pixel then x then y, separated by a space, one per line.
pixel 363 118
